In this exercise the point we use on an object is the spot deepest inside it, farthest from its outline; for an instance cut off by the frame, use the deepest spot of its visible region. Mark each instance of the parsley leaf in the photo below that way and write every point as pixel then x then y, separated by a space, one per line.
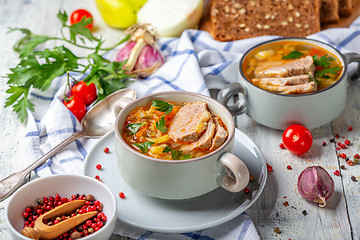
pixel 161 125
pixel 323 61
pixel 134 127
pixel 185 157
pixel 144 147
pixel 292 55
pixel 176 155
pixel 322 73
pixel 162 107
pixel 311 78
pixel 37 68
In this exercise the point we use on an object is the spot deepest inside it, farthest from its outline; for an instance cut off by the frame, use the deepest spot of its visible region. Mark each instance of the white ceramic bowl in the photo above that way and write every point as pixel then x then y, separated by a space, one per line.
pixel 65 186
pixel 181 179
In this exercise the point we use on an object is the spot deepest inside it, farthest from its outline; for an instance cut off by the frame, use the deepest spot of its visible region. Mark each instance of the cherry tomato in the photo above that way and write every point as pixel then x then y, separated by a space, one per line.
pixel 78 15
pixel 297 139
pixel 86 92
pixel 76 106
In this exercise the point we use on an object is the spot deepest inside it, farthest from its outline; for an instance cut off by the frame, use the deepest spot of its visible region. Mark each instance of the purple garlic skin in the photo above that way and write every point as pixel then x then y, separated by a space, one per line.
pixel 148 58
pixel 315 185
pixel 124 53
pixel 147 62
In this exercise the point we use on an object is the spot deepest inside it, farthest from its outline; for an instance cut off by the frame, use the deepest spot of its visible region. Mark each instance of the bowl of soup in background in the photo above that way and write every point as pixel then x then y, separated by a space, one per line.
pixel 262 100
pixel 180 179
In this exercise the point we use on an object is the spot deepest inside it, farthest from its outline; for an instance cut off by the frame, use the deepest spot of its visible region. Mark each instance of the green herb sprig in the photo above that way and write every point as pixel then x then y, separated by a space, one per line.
pixel 162 107
pixel 134 127
pixel 324 62
pixel 293 55
pixel 38 68
pixel 176 155
pixel 144 147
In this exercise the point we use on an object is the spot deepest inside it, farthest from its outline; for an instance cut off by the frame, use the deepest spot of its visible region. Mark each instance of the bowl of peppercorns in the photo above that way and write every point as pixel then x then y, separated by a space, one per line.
pixel 39 199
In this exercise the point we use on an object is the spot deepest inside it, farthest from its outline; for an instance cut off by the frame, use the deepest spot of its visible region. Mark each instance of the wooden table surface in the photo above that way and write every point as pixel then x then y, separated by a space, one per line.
pixel 339 220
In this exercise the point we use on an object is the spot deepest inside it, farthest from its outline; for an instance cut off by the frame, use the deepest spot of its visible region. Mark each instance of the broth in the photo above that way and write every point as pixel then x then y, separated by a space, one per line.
pixel 276 67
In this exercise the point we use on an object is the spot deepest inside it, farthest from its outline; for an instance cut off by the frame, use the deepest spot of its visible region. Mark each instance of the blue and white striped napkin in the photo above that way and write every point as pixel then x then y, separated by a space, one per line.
pixel 194 62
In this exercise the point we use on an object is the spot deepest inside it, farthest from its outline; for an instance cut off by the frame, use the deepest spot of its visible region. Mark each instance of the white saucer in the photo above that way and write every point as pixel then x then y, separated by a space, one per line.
pixel 177 216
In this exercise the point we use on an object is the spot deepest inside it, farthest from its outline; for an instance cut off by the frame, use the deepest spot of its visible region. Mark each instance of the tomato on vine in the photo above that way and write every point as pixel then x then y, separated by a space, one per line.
pixel 77 106
pixel 86 92
pixel 297 139
pixel 78 15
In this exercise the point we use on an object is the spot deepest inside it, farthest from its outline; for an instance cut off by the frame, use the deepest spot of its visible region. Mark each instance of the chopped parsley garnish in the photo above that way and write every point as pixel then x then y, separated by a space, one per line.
pixel 162 107
pixel 161 125
pixel 322 73
pixel 324 62
pixel 176 155
pixel 144 147
pixel 134 127
pixel 293 54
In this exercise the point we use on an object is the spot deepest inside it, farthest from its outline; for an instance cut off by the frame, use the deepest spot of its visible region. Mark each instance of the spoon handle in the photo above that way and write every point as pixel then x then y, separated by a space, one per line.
pixel 11 183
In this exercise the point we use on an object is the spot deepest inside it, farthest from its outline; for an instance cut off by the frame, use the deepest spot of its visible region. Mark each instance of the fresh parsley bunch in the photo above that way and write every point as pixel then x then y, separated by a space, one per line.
pixel 38 68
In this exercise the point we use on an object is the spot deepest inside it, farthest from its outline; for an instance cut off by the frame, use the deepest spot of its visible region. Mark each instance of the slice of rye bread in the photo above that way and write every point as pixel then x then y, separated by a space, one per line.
pixel 345 8
pixel 329 11
pixel 239 19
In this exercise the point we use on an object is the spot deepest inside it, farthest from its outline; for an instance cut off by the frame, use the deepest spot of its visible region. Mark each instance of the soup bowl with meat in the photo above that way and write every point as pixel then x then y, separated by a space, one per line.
pixel 178 145
pixel 290 81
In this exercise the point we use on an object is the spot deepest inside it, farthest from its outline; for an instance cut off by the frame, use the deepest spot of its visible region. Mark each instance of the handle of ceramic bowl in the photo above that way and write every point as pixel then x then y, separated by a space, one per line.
pixel 350 58
pixel 239 107
pixel 234 175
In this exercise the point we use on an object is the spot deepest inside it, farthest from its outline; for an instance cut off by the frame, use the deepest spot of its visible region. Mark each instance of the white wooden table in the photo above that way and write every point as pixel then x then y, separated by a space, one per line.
pixel 339 220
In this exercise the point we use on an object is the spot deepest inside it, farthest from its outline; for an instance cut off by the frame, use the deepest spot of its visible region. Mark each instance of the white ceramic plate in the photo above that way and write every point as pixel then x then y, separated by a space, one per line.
pixel 177 216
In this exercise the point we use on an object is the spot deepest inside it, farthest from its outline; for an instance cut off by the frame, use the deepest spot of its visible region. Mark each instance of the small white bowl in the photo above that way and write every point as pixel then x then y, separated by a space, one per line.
pixel 65 186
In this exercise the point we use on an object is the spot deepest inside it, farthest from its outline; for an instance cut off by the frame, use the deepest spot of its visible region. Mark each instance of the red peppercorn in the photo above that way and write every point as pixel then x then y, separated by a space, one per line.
pixel 25 214
pixel 289 167
pixel 282 146
pixel 343 146
pixel 106 150
pixel 100 224
pixel 338 148
pixel 343 156
pixel 269 168
pixel 121 195
pixel 97 177
pixel 350 128
pixel 337 172
pixel 357 156
pixel 324 143
pixel 347 142
pixel 246 190
pixel 98 166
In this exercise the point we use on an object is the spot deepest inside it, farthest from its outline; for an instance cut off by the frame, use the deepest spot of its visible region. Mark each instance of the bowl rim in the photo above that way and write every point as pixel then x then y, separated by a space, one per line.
pixel 110 218
pixel 300 39
pixel 231 128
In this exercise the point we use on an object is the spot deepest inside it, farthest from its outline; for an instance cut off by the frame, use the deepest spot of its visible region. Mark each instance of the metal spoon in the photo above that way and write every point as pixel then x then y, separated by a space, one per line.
pixel 97 122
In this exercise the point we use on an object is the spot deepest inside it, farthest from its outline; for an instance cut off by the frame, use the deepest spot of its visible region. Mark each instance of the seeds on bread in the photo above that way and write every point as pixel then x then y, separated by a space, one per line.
pixel 239 19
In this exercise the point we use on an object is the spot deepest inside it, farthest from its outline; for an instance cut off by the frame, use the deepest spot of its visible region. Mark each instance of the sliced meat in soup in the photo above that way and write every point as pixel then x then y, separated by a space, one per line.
pixel 204 142
pixel 220 134
pixel 283 81
pixel 190 121
pixel 307 87
pixel 286 68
